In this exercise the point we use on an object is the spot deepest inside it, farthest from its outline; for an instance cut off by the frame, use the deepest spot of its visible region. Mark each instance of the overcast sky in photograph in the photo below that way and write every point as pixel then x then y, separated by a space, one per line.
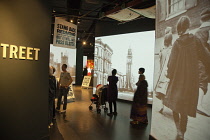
pixel 142 45
pixel 71 53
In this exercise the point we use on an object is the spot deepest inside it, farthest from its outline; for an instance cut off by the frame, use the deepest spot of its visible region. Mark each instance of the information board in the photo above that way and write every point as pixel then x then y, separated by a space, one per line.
pixel 86 81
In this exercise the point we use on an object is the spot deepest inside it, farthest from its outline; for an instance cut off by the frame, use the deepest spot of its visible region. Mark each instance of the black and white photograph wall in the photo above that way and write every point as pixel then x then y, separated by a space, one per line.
pixel 60 56
pixel 126 53
pixel 181 97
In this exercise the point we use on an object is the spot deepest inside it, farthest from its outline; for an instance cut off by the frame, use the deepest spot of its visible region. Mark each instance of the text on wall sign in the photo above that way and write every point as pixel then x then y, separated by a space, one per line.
pixel 20 52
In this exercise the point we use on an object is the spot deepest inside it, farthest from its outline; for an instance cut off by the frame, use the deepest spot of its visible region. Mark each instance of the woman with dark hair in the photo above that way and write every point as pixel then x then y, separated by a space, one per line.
pixel 139 105
pixel 112 92
pixel 183 72
pixel 85 72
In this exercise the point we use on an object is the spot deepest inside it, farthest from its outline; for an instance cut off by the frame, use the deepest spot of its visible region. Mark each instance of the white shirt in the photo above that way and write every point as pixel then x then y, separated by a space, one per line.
pixel 65 78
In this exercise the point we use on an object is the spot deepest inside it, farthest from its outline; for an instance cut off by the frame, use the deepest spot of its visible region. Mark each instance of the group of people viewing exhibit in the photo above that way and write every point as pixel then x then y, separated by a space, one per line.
pixel 139 105
pixel 185 70
pixel 61 88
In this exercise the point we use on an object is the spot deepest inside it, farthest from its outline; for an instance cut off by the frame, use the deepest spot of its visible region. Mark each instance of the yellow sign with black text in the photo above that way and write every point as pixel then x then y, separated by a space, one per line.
pixel 86 81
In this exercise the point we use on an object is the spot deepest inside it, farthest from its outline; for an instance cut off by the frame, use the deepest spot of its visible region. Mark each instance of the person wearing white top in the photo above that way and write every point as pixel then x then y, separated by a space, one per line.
pixel 63 84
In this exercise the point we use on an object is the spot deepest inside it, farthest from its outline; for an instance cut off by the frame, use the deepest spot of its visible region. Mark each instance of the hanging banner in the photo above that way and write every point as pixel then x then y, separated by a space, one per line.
pixel 124 15
pixel 64 34
pixel 147 12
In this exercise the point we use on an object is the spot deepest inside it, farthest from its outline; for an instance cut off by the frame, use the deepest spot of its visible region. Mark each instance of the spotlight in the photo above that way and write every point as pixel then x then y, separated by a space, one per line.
pixel 71 21
pixel 84 43
pixel 78 21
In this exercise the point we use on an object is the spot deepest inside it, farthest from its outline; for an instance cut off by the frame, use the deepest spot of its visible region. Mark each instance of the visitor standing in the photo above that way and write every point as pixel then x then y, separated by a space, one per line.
pixel 139 105
pixel 64 82
pixel 51 98
pixel 112 93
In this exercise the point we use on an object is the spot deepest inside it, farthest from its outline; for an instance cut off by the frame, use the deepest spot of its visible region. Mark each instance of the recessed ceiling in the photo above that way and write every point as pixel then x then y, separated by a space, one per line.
pixel 86 13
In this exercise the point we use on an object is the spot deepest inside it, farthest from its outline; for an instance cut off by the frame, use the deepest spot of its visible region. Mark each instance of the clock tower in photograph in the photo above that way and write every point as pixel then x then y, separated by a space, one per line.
pixel 128 70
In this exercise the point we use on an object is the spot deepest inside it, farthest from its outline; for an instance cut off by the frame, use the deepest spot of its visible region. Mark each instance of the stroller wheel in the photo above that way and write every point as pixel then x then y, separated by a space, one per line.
pixel 105 109
pixel 98 111
pixel 90 107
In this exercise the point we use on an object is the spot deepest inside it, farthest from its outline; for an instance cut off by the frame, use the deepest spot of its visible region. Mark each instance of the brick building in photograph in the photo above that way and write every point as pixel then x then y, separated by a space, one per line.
pixel 102 58
pixel 169 11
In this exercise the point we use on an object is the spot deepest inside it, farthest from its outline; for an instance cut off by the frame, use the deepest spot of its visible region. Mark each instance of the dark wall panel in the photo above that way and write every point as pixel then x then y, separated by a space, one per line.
pixel 24 83
pixel 79 62
pixel 104 28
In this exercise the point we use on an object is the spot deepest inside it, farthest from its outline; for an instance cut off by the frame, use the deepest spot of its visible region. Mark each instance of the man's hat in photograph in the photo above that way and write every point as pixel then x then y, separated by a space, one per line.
pixel 205 15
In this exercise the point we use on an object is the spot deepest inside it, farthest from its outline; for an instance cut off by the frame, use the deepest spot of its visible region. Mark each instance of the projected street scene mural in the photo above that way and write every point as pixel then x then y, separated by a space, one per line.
pixel 126 53
pixel 181 99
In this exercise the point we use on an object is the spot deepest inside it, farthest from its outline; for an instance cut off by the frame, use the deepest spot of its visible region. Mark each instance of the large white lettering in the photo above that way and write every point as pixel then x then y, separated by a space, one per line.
pixel 13 51
pixel 36 53
pixel 5 46
pixel 20 52
pixel 29 53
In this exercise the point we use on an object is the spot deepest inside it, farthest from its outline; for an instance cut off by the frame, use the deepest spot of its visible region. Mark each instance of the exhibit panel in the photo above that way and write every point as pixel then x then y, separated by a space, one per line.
pixel 60 56
pixel 24 69
pixel 181 99
pixel 126 53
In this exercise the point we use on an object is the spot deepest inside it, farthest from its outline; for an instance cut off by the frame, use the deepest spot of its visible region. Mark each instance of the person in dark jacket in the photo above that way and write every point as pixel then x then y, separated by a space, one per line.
pixel 183 72
pixel 55 92
pixel 85 72
pixel 51 98
pixel 139 105
pixel 203 34
pixel 112 93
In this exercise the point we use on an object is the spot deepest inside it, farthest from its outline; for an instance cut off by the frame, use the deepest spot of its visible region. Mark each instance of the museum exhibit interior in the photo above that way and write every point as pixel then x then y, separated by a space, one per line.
pixel 105 69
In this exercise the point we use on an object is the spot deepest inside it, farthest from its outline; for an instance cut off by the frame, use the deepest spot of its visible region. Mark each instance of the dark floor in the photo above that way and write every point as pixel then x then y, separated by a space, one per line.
pixel 78 123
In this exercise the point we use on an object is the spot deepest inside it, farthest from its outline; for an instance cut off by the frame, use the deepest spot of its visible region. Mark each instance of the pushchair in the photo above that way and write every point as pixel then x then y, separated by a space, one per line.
pixel 99 98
